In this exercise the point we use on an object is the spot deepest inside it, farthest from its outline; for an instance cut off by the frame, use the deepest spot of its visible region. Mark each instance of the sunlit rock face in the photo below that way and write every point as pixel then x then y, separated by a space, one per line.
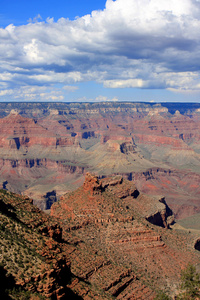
pixel 121 228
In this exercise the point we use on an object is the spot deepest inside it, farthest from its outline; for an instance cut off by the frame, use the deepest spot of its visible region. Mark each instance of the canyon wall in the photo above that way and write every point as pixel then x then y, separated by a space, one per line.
pixel 47 147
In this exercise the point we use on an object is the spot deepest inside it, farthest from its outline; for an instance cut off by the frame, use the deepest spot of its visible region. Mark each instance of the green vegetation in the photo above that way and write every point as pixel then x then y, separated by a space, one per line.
pixel 20 294
pixel 21 247
pixel 189 288
pixel 190 285
pixel 162 296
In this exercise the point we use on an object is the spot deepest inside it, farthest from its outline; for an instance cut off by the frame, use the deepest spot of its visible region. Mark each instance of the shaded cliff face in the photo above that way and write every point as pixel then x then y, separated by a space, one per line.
pixel 119 247
pixel 54 148
pixel 181 188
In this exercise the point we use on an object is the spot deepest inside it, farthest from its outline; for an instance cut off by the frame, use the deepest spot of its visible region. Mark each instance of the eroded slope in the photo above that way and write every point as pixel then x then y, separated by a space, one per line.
pixel 119 250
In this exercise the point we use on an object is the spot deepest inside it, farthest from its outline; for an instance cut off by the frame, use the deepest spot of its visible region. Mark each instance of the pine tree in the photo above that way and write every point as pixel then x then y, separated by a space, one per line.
pixel 190 284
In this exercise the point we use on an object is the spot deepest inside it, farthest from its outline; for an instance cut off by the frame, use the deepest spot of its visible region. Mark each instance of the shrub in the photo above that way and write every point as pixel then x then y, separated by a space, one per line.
pixel 162 296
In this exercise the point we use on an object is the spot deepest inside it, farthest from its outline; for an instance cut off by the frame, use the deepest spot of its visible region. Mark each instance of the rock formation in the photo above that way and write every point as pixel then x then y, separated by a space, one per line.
pixel 100 242
pixel 47 147
pixel 121 240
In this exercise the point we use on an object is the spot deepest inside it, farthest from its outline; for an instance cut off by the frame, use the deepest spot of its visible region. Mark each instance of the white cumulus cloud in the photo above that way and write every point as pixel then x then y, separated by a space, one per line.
pixel 70 88
pixel 131 43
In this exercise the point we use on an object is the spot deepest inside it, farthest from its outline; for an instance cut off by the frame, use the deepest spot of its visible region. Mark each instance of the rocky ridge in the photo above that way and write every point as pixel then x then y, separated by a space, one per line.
pixel 119 247
pixel 100 242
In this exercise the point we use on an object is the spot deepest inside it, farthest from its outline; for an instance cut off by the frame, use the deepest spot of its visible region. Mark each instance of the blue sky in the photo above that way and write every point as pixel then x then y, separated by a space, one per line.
pixel 19 12
pixel 135 50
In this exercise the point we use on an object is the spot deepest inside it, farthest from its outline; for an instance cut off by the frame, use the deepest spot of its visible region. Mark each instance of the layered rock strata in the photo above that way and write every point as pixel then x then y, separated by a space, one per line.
pixel 129 256
pixel 49 147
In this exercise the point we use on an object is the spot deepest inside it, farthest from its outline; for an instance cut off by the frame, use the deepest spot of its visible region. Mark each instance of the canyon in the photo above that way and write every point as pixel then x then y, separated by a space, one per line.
pixel 98 200
pixel 47 148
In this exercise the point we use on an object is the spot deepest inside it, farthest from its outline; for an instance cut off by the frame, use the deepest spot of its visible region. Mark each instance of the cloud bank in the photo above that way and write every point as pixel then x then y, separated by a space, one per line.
pixel 152 44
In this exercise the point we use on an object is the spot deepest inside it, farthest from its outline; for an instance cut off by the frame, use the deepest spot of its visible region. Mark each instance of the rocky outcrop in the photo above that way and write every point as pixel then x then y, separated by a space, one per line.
pixel 89 205
pixel 163 215
pixel 92 184
pixel 154 209
pixel 120 192
pixel 125 233
pixel 128 147
pixel 53 231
